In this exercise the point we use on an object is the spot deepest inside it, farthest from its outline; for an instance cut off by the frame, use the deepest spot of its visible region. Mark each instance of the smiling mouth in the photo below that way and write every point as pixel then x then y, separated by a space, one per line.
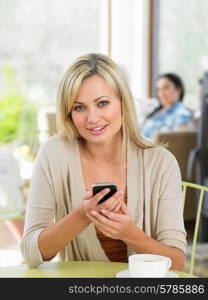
pixel 97 130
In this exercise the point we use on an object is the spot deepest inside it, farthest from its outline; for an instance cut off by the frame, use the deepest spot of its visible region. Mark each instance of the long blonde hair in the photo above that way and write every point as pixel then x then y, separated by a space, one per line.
pixel 102 65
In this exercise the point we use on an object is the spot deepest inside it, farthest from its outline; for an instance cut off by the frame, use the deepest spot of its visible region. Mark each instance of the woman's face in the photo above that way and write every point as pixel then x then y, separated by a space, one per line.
pixel 167 92
pixel 96 113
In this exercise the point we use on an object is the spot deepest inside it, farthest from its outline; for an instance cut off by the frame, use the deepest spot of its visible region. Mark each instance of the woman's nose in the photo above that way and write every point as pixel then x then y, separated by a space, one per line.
pixel 162 93
pixel 92 116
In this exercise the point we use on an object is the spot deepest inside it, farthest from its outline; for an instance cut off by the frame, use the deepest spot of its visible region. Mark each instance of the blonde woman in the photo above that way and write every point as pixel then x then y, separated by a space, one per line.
pixel 99 141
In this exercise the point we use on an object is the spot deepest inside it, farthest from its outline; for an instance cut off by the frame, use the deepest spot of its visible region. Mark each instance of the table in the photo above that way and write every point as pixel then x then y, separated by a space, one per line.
pixel 73 269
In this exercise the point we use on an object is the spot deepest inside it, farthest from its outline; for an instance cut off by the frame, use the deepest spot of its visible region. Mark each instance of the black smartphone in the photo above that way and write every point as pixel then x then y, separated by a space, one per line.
pixel 97 187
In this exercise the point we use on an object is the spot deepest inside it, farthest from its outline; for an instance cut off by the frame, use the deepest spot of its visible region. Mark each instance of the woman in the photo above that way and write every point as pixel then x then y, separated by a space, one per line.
pixel 99 141
pixel 171 113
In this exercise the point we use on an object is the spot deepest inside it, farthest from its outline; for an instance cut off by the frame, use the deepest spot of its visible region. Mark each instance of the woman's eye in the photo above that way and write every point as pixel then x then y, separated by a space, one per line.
pixel 103 103
pixel 79 107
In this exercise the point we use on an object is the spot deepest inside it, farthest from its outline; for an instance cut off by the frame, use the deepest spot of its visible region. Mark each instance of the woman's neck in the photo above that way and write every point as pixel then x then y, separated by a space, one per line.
pixel 108 152
pixel 169 105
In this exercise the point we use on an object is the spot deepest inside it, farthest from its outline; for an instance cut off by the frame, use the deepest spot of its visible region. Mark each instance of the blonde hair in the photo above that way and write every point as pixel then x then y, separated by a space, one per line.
pixel 101 65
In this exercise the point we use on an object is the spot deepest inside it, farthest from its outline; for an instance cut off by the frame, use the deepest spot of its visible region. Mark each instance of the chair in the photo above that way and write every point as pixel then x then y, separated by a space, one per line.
pixel 201 189
pixel 47 122
pixel 180 143
pixel 17 153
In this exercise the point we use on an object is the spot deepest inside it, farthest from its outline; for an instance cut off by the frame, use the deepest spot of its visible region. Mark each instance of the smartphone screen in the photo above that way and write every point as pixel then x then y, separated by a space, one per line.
pixel 97 187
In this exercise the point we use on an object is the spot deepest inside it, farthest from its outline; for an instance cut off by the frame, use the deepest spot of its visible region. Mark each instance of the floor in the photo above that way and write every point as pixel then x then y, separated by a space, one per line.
pixel 10 253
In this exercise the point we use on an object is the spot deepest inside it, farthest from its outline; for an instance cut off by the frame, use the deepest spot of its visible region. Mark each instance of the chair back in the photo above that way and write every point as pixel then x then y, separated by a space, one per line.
pixel 180 143
pixel 201 190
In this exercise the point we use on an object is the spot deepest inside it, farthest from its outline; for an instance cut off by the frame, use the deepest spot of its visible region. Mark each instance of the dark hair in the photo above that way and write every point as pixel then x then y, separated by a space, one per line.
pixel 176 80
pixel 178 83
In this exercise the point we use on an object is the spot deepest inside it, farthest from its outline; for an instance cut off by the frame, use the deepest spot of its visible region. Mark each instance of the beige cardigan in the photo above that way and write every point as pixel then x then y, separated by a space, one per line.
pixel 153 190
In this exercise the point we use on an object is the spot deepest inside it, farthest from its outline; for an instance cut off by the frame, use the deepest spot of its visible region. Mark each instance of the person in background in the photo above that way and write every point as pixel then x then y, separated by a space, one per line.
pixel 171 113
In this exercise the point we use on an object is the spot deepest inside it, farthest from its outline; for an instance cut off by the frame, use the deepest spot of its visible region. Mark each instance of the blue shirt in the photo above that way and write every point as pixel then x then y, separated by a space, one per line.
pixel 166 120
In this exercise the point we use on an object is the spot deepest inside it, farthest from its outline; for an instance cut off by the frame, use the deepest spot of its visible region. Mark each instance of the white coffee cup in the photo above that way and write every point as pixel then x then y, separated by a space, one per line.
pixel 148 265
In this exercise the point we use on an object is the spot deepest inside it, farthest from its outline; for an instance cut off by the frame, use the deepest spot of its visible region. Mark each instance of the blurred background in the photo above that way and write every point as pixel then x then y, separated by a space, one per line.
pixel 41 38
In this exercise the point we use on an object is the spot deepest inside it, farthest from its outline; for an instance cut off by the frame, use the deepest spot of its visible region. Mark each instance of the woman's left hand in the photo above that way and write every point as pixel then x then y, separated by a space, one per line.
pixel 111 224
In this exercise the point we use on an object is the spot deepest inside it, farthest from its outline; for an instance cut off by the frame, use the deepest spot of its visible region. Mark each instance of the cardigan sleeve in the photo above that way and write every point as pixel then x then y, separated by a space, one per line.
pixel 170 223
pixel 40 210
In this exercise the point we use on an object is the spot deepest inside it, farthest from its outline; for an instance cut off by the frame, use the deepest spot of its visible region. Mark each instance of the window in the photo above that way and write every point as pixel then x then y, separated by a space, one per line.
pixel 181 31
pixel 39 39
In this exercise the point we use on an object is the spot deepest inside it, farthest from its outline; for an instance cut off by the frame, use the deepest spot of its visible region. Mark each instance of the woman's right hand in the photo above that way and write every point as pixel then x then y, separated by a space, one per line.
pixel 113 203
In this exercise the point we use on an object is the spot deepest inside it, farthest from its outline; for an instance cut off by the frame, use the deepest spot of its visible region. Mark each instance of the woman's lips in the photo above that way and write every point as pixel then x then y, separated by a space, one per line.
pixel 97 130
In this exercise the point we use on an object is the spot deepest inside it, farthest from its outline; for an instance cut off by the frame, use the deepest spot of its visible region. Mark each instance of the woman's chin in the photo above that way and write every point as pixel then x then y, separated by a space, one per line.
pixel 97 140
pixel 167 103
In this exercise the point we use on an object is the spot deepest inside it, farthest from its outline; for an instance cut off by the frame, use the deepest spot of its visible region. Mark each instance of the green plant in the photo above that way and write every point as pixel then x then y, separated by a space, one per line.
pixel 17 115
pixel 28 118
pixel 12 99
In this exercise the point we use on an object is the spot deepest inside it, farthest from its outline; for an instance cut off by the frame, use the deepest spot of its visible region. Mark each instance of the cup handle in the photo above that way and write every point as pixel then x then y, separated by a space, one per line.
pixel 169 263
